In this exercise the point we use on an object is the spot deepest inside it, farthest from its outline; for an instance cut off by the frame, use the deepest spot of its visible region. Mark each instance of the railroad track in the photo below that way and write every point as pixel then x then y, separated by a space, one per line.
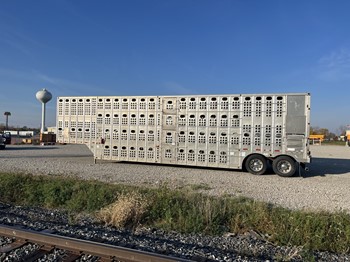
pixel 73 248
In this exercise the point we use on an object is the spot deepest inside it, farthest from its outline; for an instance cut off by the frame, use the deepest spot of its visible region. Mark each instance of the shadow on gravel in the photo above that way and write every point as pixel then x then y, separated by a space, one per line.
pixel 318 167
pixel 327 166
pixel 169 165
pixel 268 172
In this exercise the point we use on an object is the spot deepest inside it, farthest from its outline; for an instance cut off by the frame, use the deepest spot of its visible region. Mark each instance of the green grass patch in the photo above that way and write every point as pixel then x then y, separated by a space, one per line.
pixel 198 187
pixel 333 143
pixel 54 192
pixel 184 210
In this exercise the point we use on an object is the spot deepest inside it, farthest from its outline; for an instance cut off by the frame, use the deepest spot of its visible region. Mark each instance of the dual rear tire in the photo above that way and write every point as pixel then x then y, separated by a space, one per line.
pixel 284 166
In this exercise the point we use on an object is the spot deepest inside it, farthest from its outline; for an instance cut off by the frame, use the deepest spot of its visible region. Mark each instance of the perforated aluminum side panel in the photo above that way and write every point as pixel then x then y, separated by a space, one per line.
pixel 208 130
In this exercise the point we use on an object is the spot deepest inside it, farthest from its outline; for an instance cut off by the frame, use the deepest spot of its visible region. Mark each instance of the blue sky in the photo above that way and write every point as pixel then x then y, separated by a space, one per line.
pixel 171 47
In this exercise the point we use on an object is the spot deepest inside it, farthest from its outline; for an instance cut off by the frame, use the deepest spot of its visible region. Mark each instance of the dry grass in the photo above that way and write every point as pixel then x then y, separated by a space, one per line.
pixel 127 211
pixel 183 211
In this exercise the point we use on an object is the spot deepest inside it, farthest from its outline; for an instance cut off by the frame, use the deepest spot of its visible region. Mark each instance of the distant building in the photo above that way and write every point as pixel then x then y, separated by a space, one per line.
pixel 21 133
pixel 51 129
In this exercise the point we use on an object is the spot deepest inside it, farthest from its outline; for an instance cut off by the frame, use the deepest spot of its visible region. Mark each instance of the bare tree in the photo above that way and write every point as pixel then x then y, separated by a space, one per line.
pixel 315 130
pixel 342 130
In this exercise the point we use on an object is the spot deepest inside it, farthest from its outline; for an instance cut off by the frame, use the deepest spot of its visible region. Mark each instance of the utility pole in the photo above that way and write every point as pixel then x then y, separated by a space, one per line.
pixel 7 114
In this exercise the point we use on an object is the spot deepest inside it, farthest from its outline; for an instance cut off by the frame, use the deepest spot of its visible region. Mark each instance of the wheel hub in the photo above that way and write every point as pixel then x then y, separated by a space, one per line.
pixel 284 167
pixel 256 165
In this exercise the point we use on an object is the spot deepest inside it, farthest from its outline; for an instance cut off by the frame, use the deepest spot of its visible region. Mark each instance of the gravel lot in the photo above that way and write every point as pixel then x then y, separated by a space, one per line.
pixel 324 187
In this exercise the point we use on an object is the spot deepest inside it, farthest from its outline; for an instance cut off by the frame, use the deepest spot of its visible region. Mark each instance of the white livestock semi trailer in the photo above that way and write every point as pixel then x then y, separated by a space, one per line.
pixel 223 131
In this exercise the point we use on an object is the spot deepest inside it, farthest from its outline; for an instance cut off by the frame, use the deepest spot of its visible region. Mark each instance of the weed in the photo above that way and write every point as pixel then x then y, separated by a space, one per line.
pixel 202 186
pixel 182 210
pixel 127 211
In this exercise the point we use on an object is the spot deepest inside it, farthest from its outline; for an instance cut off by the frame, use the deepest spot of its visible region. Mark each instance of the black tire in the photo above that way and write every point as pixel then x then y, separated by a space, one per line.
pixel 2 147
pixel 256 164
pixel 284 166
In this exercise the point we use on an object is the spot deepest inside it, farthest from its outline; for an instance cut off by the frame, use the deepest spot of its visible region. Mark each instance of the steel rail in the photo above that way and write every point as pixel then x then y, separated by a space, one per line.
pixel 104 251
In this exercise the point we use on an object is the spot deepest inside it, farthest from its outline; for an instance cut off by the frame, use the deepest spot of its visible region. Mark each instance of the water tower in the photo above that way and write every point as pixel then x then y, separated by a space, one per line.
pixel 43 96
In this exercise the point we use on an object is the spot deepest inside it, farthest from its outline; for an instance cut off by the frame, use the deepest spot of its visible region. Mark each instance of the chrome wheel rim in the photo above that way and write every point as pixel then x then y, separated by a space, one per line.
pixel 284 167
pixel 256 165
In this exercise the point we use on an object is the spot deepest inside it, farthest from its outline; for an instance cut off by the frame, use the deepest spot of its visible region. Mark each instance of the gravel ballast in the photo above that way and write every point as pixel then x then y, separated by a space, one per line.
pixel 246 247
pixel 324 187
